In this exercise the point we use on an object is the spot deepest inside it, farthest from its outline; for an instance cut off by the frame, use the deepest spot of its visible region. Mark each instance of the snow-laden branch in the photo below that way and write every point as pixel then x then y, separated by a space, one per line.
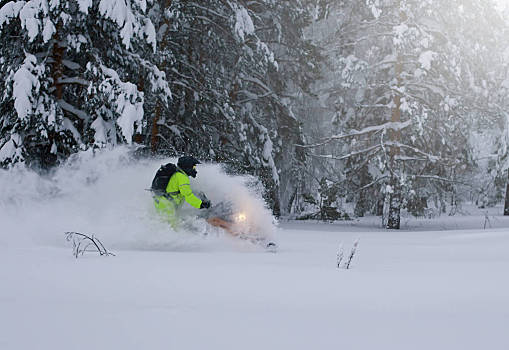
pixel 71 65
pixel 375 106
pixel 406 158
pixel 252 96
pixel 438 178
pixel 353 154
pixel 257 82
pixel 157 77
pixel 430 157
pixel 360 40
pixel 426 156
pixel 71 109
pixel 73 80
pixel 26 80
pixel 34 16
pixel 194 4
pixel 396 126
pixel 376 181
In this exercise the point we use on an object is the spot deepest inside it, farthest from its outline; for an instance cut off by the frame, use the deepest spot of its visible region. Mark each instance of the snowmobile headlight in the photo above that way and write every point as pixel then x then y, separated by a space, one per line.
pixel 240 217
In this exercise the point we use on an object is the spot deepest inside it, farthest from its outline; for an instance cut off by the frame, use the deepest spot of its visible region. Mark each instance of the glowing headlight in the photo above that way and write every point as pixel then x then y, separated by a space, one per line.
pixel 240 217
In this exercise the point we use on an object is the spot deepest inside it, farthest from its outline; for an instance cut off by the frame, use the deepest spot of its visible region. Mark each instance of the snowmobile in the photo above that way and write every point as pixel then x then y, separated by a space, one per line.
pixel 237 224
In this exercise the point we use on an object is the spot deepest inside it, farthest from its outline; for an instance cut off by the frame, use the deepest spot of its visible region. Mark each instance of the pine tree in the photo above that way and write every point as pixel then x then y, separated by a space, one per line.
pixel 81 80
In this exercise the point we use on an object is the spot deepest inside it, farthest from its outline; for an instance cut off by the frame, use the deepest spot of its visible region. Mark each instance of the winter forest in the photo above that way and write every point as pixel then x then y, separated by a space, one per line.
pixel 335 174
pixel 340 108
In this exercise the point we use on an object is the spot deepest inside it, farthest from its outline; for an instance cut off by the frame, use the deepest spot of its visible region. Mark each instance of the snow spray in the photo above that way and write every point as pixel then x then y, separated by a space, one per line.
pixel 103 193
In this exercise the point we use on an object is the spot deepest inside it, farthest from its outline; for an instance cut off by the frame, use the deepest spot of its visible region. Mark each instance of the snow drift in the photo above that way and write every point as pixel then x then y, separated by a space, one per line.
pixel 103 193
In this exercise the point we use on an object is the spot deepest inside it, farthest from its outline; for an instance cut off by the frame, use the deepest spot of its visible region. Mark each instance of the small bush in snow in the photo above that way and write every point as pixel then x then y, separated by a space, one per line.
pixel 82 243
pixel 340 262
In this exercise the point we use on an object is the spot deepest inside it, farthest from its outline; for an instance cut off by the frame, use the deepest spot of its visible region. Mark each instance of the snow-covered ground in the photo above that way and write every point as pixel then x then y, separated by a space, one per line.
pixel 436 284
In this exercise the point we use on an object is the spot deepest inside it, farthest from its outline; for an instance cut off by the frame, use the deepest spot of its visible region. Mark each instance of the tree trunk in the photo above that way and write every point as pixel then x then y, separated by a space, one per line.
pixel 393 221
pixel 154 134
pixel 395 136
pixel 506 206
pixel 57 69
pixel 361 207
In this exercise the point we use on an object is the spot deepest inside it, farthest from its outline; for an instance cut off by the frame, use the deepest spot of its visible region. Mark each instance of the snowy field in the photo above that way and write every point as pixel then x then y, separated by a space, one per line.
pixel 436 284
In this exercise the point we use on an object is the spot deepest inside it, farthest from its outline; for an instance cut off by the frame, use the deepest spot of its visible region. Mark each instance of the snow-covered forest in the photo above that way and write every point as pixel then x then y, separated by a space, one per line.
pixel 341 108
pixel 350 186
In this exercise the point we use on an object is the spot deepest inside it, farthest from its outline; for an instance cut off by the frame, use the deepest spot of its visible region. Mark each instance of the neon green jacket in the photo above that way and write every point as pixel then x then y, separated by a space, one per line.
pixel 179 189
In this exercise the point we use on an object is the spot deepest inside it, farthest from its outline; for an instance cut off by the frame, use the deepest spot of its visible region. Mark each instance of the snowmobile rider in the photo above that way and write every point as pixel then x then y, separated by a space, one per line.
pixel 178 190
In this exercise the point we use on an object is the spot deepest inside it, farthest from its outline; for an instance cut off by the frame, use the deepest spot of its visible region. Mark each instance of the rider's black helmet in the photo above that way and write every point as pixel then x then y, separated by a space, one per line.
pixel 188 163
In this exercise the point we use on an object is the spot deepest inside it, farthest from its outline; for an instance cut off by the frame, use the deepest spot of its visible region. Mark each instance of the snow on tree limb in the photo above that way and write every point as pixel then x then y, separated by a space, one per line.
pixel 24 82
pixel 243 23
pixel 12 150
pixel 352 154
pixel 127 14
pixel 75 111
pixel 73 80
pixel 370 129
pixel 123 97
pixel 9 11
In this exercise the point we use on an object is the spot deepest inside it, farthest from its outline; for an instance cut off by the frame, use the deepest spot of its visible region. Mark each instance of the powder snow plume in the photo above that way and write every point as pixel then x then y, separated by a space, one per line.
pixel 103 193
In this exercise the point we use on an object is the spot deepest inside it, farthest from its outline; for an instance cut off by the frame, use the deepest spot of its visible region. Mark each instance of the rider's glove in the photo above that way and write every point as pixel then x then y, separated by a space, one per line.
pixel 205 204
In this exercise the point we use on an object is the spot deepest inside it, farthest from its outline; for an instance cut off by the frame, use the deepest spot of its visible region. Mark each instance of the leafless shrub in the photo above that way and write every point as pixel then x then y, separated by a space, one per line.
pixel 352 253
pixel 82 243
pixel 340 256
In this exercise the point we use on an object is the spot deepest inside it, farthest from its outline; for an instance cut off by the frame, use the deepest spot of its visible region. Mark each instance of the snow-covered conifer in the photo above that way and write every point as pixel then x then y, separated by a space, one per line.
pixel 83 81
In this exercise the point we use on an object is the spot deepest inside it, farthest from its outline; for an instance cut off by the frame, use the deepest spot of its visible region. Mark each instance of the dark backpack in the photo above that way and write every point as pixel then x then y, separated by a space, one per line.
pixel 162 178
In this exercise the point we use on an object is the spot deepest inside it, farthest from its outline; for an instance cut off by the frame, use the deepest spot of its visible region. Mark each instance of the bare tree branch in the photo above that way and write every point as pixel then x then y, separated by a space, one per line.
pixel 82 242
